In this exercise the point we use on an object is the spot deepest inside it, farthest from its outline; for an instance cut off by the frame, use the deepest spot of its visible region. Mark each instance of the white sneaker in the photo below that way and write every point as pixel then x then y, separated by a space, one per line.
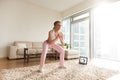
pixel 41 70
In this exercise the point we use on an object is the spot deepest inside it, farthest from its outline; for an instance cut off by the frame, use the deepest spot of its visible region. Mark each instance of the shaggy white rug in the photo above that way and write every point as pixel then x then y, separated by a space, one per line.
pixel 74 71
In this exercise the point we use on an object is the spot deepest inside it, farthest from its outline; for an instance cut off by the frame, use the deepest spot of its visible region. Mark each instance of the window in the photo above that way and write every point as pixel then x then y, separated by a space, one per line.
pixel 81 16
pixel 66 30
pixel 80 36
pixel 76 32
pixel 106 31
pixel 103 38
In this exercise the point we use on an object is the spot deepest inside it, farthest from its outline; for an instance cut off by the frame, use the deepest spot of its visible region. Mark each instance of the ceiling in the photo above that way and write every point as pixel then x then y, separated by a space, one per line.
pixel 58 5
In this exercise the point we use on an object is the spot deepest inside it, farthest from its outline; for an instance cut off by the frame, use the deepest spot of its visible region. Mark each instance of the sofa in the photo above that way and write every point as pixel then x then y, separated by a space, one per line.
pixel 71 54
pixel 17 49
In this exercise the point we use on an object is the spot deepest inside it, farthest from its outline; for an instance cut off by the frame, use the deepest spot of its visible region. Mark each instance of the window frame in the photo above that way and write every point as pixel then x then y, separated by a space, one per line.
pixel 91 30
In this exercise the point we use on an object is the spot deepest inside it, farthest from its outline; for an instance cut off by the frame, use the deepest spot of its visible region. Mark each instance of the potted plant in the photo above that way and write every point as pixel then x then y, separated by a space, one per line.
pixel 66 45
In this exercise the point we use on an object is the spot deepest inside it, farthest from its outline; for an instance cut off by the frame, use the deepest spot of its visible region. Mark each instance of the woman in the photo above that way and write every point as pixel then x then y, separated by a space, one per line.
pixel 53 37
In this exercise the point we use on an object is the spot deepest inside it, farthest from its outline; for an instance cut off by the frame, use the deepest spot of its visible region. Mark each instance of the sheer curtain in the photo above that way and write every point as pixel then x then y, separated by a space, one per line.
pixel 107 31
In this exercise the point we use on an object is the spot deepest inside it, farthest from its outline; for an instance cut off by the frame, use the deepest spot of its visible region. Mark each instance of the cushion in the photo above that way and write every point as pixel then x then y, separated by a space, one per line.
pixel 30 51
pixel 28 43
pixel 72 52
pixel 21 45
pixel 20 51
pixel 40 50
pixel 37 45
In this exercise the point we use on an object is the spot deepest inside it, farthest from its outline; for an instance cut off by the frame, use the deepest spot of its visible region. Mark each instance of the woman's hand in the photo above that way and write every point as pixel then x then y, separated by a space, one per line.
pixel 60 35
pixel 57 37
pixel 50 40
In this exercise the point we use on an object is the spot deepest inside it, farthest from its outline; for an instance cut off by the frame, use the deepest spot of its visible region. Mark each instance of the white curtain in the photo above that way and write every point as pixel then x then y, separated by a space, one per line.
pixel 107 31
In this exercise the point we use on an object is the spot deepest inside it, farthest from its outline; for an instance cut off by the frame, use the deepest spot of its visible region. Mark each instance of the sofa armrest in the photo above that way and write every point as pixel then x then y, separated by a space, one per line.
pixel 12 52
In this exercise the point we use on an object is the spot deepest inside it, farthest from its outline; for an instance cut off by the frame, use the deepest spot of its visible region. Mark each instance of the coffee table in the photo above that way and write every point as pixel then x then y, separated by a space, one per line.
pixel 27 55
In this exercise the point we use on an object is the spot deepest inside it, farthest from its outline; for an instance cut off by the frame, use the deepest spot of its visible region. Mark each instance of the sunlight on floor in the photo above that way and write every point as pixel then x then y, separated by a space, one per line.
pixel 116 77
pixel 109 64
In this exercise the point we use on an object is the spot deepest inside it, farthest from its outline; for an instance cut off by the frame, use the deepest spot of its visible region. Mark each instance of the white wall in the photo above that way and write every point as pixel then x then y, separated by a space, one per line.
pixel 23 21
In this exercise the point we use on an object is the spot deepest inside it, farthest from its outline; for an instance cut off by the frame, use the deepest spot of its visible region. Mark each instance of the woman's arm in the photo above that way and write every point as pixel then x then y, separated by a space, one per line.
pixel 61 38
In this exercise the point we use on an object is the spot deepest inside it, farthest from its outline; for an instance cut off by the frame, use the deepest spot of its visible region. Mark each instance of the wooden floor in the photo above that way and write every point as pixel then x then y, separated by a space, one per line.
pixel 7 64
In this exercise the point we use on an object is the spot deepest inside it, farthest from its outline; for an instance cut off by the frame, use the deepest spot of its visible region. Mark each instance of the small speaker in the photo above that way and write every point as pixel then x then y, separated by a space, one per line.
pixel 83 60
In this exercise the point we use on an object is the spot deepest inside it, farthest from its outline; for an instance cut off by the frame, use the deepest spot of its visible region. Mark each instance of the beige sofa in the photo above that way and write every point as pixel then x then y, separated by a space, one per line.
pixel 71 54
pixel 17 49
